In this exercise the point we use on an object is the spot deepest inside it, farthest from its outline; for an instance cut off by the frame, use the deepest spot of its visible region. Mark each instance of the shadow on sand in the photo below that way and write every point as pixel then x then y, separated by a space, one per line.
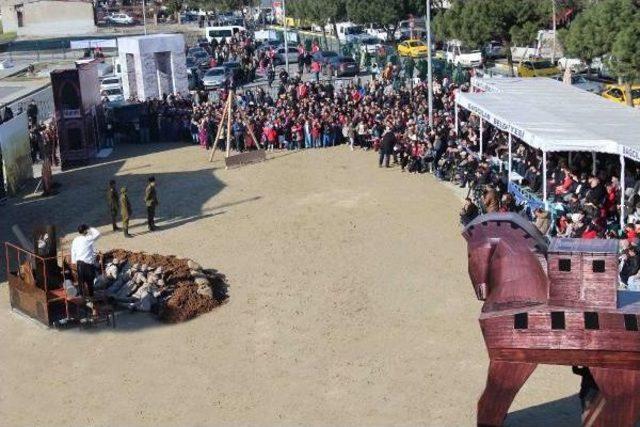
pixel 81 198
pixel 562 412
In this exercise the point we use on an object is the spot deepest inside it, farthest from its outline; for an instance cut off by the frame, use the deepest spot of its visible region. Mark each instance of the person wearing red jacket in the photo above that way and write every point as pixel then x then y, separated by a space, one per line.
pixel 316 67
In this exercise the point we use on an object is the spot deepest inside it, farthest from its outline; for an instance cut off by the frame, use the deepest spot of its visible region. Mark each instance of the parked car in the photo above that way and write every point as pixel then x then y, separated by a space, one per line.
pixel 602 65
pixel 201 60
pixel 583 83
pixel 370 44
pixel 113 95
pixel 458 54
pixel 233 69
pixel 266 44
pixel 377 32
pixel 120 19
pixel 323 56
pixel 340 66
pixel 197 50
pixel 413 48
pixel 537 68
pixel 281 55
pixel 111 82
pixel 215 77
pixel 617 94
pixel 348 32
pixel 494 49
pixel 411 28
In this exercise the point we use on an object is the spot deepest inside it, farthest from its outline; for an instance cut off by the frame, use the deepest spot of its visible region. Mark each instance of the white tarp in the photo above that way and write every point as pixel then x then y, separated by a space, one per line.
pixel 94 43
pixel 553 116
pixel 16 153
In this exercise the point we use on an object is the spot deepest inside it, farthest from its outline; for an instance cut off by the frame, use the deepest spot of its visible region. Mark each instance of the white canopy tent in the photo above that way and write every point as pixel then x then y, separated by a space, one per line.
pixel 552 116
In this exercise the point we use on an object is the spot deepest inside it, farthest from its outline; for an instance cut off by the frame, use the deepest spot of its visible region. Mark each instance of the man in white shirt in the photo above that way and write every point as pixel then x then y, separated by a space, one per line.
pixel 83 254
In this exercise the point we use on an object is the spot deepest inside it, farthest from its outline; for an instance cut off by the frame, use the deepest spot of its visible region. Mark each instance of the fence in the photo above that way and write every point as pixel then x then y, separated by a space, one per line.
pixel 40 50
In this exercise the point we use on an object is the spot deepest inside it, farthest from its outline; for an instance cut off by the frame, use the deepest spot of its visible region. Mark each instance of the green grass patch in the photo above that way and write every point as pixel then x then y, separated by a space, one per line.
pixel 8 37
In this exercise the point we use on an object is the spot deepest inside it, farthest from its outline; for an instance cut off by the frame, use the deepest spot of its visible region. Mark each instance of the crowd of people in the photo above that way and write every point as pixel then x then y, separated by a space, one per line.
pixel 388 115
pixel 394 122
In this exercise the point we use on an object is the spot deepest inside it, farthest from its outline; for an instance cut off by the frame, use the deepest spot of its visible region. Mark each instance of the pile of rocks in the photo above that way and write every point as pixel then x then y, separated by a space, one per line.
pixel 175 289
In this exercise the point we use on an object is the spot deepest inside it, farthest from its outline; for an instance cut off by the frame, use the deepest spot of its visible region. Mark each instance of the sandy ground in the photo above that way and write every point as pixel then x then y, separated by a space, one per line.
pixel 349 304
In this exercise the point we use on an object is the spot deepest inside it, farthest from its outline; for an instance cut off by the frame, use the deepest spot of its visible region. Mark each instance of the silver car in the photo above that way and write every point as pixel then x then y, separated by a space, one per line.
pixel 215 78
pixel 280 55
pixel 583 83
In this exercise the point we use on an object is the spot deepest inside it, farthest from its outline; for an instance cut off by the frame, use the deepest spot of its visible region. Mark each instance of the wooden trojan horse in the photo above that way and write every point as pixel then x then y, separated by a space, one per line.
pixel 253 156
pixel 552 303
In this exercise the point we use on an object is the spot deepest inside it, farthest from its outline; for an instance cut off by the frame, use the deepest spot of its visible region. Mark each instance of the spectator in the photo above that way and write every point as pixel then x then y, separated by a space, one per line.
pixel 469 212
pixel 542 221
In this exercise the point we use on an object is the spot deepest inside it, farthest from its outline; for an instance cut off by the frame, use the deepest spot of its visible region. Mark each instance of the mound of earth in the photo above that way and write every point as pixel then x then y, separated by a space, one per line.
pixel 175 289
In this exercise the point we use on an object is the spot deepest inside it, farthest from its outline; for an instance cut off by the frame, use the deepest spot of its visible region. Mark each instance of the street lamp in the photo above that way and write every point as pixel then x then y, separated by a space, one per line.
pixel 553 9
pixel 286 44
pixel 144 16
pixel 429 66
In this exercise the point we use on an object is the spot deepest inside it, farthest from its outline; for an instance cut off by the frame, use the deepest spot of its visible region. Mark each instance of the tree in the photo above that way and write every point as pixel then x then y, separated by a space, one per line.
pixel 385 13
pixel 608 28
pixel 318 12
pixel 476 22
pixel 215 5
pixel 626 57
pixel 594 30
pixel 173 8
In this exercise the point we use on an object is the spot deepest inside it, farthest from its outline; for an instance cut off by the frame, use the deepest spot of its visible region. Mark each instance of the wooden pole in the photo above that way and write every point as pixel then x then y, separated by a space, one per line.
pixel 219 132
pixel 229 114
pixel 250 129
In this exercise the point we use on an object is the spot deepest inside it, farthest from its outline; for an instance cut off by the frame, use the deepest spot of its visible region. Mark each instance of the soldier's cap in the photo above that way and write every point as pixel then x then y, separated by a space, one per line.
pixel 123 189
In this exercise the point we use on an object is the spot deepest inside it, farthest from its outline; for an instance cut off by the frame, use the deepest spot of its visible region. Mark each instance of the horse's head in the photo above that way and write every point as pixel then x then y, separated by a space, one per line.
pixel 503 261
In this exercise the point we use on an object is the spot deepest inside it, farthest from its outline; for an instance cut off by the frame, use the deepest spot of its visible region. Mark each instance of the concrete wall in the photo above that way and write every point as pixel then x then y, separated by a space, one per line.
pixel 48 18
pixel 153 65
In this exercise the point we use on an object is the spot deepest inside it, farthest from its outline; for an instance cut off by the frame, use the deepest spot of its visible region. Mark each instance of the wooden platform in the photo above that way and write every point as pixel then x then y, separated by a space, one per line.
pixel 248 157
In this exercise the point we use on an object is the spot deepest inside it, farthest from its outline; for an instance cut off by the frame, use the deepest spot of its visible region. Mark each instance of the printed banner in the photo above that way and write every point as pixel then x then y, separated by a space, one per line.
pixel 16 153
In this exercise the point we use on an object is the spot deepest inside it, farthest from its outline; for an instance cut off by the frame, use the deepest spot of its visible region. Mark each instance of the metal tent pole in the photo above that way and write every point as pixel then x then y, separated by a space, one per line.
pixel 544 179
pixel 622 191
pixel 456 117
pixel 286 42
pixel 481 138
pixel 429 65
pixel 510 156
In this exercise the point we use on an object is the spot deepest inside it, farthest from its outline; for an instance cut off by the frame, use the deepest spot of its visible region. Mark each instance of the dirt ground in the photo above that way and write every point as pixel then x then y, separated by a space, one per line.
pixel 349 304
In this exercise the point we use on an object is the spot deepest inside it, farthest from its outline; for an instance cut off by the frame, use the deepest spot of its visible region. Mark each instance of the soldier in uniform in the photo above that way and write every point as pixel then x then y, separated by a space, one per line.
pixel 125 210
pixel 112 202
pixel 151 201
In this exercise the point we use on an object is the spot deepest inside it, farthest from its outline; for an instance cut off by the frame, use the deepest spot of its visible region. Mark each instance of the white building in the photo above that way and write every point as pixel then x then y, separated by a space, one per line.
pixel 153 65
pixel 44 18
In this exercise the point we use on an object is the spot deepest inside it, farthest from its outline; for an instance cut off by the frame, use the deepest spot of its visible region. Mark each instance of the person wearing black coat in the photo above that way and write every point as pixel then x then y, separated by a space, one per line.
pixel 630 265
pixel 469 212
pixel 386 147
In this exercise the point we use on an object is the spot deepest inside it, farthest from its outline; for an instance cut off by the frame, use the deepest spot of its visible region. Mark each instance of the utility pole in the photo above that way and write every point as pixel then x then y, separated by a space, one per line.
pixel 144 16
pixel 286 42
pixel 429 66
pixel 553 54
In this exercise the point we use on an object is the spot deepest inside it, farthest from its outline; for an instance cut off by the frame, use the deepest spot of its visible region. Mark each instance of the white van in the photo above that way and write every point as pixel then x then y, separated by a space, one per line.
pixel 222 32
pixel 348 32
pixel 457 54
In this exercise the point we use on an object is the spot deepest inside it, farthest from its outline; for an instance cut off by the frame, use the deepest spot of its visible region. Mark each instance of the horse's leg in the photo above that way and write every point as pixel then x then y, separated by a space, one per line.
pixel 620 389
pixel 504 380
